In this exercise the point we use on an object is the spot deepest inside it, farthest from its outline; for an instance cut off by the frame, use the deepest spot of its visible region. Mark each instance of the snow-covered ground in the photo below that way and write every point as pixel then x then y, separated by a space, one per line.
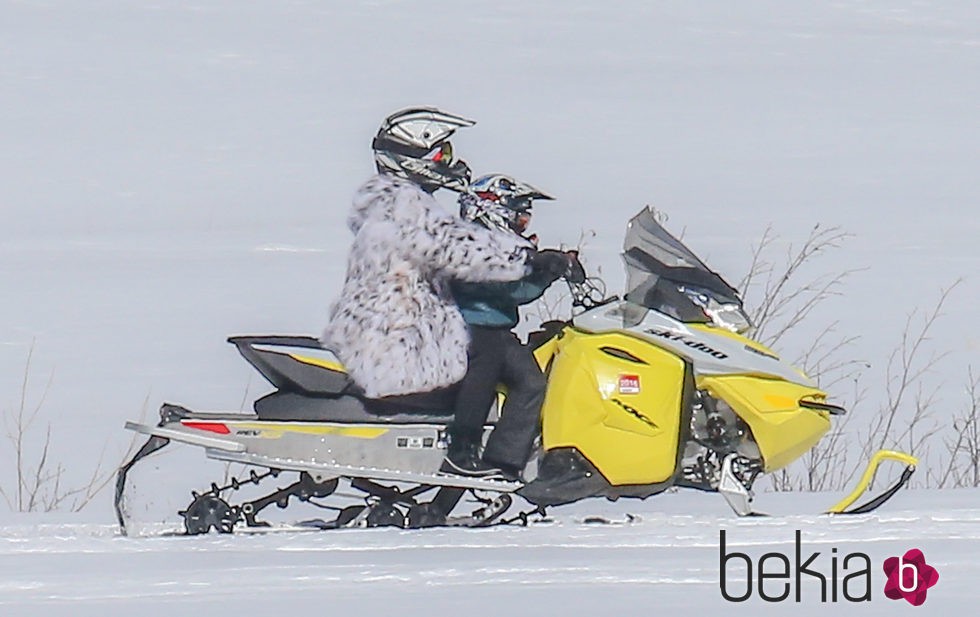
pixel 175 172
pixel 666 561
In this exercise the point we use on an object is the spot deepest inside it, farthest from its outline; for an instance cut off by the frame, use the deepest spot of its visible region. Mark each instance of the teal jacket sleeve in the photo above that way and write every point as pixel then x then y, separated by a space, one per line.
pixel 495 304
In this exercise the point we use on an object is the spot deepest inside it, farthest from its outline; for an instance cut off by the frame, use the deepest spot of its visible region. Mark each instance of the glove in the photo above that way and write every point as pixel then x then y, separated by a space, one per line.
pixel 549 262
pixel 576 272
pixel 556 264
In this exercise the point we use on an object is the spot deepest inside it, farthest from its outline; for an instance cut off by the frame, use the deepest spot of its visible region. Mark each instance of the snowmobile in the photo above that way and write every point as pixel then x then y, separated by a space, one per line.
pixel 660 388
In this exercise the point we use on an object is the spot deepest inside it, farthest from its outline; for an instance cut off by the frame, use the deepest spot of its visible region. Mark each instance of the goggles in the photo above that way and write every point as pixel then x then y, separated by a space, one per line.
pixel 517 220
pixel 443 153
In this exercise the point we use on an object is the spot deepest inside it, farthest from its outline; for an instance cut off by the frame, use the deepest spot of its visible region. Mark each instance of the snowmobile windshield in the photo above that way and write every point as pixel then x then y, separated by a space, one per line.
pixel 664 275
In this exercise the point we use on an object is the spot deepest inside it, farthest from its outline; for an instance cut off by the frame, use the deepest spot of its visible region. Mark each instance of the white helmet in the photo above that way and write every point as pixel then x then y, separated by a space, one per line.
pixel 414 144
pixel 500 202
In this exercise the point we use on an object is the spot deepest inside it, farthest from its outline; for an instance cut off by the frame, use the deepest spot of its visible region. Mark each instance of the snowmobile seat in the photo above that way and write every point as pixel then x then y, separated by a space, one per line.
pixel 347 408
pixel 295 363
pixel 313 386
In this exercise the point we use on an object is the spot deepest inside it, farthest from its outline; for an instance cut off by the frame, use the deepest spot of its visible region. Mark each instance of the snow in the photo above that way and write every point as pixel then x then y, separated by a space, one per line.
pixel 174 173
pixel 665 561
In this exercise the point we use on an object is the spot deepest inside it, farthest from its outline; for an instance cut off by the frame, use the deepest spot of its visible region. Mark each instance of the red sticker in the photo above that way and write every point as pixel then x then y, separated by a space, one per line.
pixel 629 384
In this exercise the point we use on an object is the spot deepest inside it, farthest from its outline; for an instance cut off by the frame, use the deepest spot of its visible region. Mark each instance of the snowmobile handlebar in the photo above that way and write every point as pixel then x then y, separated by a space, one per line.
pixel 589 292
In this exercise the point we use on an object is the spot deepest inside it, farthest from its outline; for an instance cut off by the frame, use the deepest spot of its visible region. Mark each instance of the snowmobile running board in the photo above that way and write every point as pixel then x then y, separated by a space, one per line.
pixel 196 440
pixel 371 473
pixel 735 493
pixel 230 451
pixel 869 473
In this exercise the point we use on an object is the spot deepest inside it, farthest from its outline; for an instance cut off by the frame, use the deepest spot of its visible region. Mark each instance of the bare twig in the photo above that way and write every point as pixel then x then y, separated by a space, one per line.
pixel 39 484
pixel 787 302
pixel 963 467
pixel 905 372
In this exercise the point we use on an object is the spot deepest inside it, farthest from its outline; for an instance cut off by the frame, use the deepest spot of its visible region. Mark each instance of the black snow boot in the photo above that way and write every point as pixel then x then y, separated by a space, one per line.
pixel 509 472
pixel 463 459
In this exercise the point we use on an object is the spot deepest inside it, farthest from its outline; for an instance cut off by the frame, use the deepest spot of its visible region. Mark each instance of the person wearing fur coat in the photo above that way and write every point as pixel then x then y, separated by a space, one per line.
pixel 396 326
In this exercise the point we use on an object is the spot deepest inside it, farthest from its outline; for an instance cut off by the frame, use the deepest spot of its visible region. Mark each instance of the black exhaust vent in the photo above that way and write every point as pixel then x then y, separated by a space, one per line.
pixel 621 354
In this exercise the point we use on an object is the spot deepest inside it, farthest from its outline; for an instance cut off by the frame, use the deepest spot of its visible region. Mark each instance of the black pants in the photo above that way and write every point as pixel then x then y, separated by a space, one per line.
pixel 496 356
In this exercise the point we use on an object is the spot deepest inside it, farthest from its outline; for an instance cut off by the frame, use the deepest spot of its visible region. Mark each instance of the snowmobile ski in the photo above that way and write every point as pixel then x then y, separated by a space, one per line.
pixel 844 506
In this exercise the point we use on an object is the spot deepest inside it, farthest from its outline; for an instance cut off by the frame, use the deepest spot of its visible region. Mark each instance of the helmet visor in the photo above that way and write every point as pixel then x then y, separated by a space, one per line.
pixel 521 221
pixel 443 153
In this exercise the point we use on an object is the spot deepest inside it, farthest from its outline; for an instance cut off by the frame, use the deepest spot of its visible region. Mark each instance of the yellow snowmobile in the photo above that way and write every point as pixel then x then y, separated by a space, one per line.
pixel 659 389
pixel 665 389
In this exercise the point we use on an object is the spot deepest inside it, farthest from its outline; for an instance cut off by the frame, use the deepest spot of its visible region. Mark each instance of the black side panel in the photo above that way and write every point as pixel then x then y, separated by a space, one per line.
pixel 564 476
pixel 547 331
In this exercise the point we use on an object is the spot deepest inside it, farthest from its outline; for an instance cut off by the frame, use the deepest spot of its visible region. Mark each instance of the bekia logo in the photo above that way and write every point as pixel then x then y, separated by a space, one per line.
pixel 833 577
pixel 909 577
pixel 629 384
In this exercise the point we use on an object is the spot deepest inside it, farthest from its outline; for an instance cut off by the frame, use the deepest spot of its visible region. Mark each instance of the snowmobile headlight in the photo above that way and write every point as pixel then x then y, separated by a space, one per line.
pixel 728 315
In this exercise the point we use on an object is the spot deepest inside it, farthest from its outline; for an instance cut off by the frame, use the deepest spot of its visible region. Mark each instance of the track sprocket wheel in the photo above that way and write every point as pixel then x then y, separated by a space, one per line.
pixel 425 515
pixel 385 515
pixel 206 512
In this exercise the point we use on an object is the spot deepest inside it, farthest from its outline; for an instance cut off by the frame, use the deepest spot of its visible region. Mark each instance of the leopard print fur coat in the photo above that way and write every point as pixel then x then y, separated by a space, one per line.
pixel 395 326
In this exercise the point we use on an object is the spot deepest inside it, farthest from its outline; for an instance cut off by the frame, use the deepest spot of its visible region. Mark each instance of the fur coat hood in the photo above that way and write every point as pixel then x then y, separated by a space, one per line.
pixel 396 326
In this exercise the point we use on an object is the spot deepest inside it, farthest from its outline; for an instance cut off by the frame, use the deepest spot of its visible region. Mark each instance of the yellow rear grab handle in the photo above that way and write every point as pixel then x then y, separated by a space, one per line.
pixel 869 473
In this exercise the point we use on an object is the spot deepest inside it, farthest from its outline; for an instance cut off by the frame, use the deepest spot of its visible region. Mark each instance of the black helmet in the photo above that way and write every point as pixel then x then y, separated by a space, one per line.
pixel 414 144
